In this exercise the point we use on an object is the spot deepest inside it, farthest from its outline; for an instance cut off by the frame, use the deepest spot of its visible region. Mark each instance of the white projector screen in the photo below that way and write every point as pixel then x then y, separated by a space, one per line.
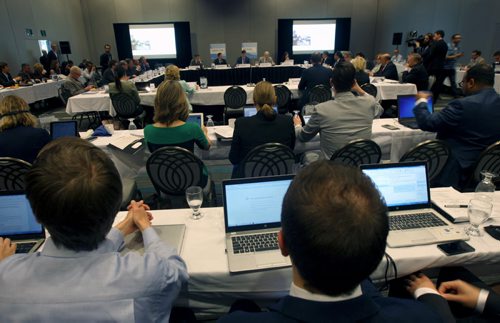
pixel 313 35
pixel 153 41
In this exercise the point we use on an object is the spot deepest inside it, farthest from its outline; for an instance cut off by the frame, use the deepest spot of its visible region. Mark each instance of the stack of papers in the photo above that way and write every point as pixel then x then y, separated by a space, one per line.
pixel 225 132
pixel 123 141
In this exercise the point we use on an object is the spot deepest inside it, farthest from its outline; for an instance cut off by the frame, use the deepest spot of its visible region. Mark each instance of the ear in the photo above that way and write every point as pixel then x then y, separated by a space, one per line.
pixel 281 243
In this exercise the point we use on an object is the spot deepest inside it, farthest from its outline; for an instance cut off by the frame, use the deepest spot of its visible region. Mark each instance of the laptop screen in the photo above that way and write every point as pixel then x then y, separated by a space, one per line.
pixel 63 129
pixel 401 185
pixel 16 216
pixel 195 118
pixel 251 111
pixel 406 103
pixel 255 202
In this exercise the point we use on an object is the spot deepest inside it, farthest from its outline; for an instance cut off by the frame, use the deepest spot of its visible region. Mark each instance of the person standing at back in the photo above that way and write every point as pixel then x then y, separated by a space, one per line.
pixel 449 69
pixel 436 58
pixel 315 75
pixel 105 58
pixel 267 126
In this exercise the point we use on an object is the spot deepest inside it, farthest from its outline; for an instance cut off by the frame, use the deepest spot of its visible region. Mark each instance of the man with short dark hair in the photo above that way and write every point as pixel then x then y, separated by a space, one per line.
pixel 25 74
pixel 5 78
pixel 343 119
pixel 52 55
pixel 75 192
pixel 315 75
pixel 416 72
pixel 436 59
pixel 449 68
pixel 387 68
pixel 220 60
pixel 334 228
pixel 106 57
pixel 196 61
pixel 326 59
pixel 476 59
pixel 468 125
pixel 243 59
pixel 109 74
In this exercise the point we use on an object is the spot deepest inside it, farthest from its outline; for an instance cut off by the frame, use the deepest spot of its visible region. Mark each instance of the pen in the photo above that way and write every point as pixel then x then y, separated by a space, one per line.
pixel 457 206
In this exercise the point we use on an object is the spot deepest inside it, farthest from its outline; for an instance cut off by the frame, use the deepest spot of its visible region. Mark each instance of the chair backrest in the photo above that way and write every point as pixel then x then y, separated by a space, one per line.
pixel 12 171
pixel 489 160
pixel 435 152
pixel 370 89
pixel 235 97
pixel 358 152
pixel 283 97
pixel 319 94
pixel 62 95
pixel 268 160
pixel 173 169
pixel 125 106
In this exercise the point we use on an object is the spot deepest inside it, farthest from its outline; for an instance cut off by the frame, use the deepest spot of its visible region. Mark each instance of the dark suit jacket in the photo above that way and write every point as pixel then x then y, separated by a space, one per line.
pixel 221 62
pixel 250 132
pixel 436 57
pixel 51 56
pixel 328 61
pixel 492 306
pixel 108 76
pixel 240 60
pixel 6 80
pixel 315 75
pixel 23 142
pixel 418 76
pixel 370 307
pixel 389 71
pixel 468 125
pixel 104 60
pixel 362 77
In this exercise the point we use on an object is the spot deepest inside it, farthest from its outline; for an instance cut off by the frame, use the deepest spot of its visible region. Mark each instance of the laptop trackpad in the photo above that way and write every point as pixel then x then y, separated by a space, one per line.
pixel 267 259
pixel 417 236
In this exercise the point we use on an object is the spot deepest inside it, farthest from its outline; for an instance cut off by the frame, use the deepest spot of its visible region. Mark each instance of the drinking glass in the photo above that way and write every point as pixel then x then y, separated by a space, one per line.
pixel 479 210
pixel 194 198
pixel 486 187
pixel 296 112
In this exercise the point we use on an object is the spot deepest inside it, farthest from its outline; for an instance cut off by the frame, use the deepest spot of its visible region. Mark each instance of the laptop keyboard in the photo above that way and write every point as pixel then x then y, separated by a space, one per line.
pixel 255 242
pixel 414 221
pixel 24 247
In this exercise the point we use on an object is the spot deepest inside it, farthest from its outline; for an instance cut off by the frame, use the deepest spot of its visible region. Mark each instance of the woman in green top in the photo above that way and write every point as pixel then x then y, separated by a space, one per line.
pixel 172 73
pixel 122 85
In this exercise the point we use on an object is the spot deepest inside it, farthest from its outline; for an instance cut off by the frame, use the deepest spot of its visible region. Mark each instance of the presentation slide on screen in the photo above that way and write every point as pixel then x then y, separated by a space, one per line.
pixel 153 41
pixel 310 36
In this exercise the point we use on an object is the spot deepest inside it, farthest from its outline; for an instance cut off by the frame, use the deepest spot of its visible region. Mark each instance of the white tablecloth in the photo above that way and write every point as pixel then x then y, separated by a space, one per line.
pixel 211 289
pixel 460 75
pixel 37 92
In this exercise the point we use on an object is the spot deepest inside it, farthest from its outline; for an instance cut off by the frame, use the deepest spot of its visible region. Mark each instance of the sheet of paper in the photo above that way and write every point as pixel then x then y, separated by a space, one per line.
pixel 123 141
pixel 224 131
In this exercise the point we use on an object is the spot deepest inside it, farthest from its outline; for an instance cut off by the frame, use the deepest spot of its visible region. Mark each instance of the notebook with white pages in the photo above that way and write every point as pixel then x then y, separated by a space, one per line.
pixel 451 202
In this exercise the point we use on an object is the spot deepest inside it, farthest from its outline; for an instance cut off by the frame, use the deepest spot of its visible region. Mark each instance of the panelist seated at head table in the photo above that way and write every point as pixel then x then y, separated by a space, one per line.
pixel 75 192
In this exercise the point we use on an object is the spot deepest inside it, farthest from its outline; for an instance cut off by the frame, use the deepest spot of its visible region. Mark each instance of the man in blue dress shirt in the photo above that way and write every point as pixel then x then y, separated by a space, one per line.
pixel 75 192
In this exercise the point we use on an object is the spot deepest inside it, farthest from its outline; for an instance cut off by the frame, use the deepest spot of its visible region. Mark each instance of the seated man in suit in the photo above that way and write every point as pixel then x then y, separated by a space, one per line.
pixel 26 74
pixel 476 59
pixel 468 125
pixel 315 75
pixel 243 59
pixel 72 85
pixel 416 73
pixel 326 59
pixel 387 68
pixel 220 60
pixel 196 61
pixel 334 227
pixel 343 119
pixel 337 58
pixel 109 74
pixel 75 192
pixel 5 77
pixel 266 58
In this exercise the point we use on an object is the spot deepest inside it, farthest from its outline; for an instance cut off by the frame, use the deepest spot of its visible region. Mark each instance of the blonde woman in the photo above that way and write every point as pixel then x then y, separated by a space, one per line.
pixel 360 65
pixel 265 127
pixel 172 73
pixel 18 136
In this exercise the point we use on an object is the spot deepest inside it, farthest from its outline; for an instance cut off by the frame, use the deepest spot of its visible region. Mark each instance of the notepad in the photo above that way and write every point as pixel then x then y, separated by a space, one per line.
pixel 443 196
pixel 225 132
pixel 123 141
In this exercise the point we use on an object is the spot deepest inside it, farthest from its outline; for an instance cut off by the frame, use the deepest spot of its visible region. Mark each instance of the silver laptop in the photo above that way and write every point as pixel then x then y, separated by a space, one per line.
pixel 252 216
pixel 172 234
pixel 412 220
pixel 18 223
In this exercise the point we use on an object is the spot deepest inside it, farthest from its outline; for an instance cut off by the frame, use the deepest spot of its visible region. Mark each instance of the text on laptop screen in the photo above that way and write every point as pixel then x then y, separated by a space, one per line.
pixel 16 216
pixel 63 129
pixel 196 118
pixel 255 203
pixel 401 186
pixel 251 111
pixel 407 103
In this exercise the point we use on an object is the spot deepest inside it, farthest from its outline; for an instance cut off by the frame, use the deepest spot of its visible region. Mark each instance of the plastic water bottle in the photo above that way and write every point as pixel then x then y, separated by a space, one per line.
pixel 486 188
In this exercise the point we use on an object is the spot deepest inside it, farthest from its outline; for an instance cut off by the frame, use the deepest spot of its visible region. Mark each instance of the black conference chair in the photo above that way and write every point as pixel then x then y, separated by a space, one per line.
pixel 126 109
pixel 283 98
pixel 435 152
pixel 358 152
pixel 172 170
pixel 268 160
pixel 370 89
pixel 12 171
pixel 235 98
pixel 489 160
pixel 319 94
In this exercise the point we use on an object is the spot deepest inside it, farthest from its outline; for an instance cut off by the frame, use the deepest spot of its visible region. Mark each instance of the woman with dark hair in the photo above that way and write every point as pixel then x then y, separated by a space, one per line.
pixel 122 85
pixel 285 57
pixel 266 126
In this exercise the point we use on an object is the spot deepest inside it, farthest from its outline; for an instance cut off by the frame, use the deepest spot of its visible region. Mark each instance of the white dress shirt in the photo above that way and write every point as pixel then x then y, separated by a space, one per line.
pixel 58 284
pixel 298 292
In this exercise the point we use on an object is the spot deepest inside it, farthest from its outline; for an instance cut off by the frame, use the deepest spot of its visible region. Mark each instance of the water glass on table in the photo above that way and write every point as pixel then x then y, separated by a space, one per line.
pixel 479 210
pixel 194 198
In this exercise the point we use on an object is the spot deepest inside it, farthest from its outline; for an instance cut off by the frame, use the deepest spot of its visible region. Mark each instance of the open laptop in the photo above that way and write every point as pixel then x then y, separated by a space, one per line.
pixel 172 234
pixel 406 103
pixel 18 223
pixel 196 118
pixel 412 220
pixel 252 216
pixel 60 129
pixel 250 111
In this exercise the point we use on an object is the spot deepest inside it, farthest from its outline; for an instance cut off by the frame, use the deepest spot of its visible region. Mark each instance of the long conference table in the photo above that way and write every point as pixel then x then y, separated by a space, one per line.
pixel 214 96
pixel 37 92
pixel 211 288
